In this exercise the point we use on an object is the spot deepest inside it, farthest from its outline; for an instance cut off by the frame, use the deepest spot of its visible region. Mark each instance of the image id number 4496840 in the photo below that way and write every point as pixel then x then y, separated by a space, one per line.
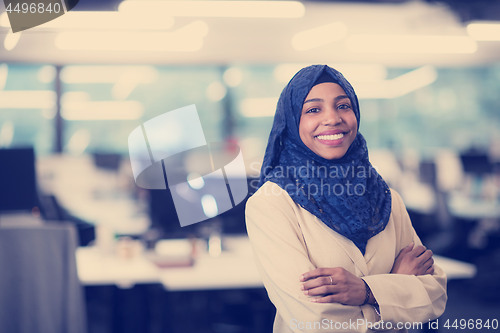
pixel 34 7
pixel 471 324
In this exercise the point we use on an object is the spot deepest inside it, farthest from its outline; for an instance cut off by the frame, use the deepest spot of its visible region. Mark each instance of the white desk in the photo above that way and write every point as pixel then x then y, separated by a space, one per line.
pixel 233 269
pixel 96 196
pixel 462 206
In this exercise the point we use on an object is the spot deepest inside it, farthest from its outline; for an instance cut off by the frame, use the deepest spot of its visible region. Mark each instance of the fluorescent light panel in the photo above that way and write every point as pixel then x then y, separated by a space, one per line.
pixel 484 31
pixel 353 72
pixel 27 99
pixel 102 110
pixel 186 39
pixel 11 40
pixel 397 87
pixel 4 73
pixel 319 36
pixel 258 107
pixel 236 9
pixel 104 20
pixel 411 44
pixel 108 74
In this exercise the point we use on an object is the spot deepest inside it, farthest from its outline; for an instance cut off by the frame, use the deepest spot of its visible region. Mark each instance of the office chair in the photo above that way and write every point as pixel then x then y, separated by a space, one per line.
pixel 39 287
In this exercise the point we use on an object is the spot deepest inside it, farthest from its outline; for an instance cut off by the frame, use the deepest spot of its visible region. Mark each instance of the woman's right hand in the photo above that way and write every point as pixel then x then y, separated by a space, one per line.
pixel 414 260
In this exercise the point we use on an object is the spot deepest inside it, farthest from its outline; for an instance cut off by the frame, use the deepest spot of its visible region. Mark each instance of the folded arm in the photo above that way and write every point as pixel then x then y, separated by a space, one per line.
pixel 282 257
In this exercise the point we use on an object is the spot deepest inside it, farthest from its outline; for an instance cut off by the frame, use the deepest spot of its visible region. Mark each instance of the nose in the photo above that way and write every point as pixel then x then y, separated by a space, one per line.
pixel 331 117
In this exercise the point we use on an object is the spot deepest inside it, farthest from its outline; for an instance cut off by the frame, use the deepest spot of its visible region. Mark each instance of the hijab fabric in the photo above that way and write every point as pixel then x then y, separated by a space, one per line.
pixel 346 194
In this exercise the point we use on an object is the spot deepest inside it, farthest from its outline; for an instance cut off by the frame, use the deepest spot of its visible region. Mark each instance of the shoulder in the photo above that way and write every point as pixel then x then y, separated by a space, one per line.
pixel 399 213
pixel 398 208
pixel 270 200
pixel 269 194
pixel 397 203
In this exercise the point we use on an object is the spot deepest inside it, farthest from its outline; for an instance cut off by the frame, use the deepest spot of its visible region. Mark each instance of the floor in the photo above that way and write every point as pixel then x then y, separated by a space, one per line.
pixel 148 309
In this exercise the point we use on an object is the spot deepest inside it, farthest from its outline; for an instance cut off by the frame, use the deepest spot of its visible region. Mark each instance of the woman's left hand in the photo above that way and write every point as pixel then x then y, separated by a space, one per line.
pixel 333 285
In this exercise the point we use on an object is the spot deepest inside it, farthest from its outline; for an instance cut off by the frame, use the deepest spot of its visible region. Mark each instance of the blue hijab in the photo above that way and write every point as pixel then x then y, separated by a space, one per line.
pixel 346 194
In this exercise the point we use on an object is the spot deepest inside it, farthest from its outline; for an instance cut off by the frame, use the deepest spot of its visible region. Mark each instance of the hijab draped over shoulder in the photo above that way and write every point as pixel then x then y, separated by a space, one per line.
pixel 346 194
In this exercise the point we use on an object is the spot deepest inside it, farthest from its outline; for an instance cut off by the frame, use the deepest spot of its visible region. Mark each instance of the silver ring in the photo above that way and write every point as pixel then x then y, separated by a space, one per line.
pixel 331 280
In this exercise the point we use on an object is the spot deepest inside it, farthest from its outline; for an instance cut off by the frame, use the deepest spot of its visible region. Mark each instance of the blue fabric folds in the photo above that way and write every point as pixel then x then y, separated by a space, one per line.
pixel 346 194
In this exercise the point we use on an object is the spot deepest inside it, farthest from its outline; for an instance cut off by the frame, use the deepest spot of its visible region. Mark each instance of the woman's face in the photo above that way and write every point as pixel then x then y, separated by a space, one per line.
pixel 328 125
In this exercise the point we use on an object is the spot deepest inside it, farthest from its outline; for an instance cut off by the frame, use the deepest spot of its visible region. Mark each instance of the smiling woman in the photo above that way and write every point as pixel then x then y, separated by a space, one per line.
pixel 328 253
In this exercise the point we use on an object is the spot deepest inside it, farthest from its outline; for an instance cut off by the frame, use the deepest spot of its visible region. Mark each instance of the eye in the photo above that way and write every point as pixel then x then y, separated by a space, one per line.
pixel 345 106
pixel 313 110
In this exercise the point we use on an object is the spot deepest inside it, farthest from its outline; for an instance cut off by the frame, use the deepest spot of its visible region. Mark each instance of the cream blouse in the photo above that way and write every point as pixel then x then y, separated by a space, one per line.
pixel 289 241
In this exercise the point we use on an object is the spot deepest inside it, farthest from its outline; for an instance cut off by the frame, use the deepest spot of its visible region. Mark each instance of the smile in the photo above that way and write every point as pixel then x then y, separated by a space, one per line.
pixel 331 137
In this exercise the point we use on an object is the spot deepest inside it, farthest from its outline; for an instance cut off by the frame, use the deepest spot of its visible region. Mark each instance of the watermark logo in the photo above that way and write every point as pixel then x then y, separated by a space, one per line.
pixel 26 14
pixel 170 151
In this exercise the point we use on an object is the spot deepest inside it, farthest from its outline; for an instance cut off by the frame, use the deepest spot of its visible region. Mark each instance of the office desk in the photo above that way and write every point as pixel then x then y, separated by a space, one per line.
pixel 96 268
pixel 99 197
pixel 465 207
pixel 233 269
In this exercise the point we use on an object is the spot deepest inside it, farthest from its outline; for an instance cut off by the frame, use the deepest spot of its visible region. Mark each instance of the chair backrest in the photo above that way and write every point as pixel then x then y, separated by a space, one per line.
pixel 39 286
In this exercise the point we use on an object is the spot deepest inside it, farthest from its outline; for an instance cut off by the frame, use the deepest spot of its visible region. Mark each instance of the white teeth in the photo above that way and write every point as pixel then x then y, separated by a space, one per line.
pixel 331 137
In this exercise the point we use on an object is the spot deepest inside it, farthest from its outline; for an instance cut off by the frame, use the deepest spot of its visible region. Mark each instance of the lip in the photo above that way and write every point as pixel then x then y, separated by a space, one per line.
pixel 332 132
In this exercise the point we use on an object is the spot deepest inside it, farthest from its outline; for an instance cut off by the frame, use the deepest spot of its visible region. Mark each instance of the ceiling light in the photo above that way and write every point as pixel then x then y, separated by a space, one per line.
pixel 353 72
pixel 258 107
pixel 319 36
pixel 102 110
pixel 11 40
pixel 233 76
pixel 107 74
pixel 47 74
pixel 239 9
pixel 189 38
pixel 4 72
pixel 216 91
pixel 27 99
pixel 415 44
pixel 398 86
pixel 104 20
pixel 484 30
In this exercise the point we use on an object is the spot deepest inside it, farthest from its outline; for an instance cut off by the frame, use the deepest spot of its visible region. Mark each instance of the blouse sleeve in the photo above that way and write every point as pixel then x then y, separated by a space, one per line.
pixel 281 257
pixel 408 298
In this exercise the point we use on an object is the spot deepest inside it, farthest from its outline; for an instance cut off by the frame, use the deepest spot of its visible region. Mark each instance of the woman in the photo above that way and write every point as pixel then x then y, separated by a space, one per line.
pixel 335 247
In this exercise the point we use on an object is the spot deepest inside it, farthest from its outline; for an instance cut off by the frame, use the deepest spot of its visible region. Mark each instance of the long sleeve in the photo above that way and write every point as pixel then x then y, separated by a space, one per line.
pixel 408 298
pixel 282 256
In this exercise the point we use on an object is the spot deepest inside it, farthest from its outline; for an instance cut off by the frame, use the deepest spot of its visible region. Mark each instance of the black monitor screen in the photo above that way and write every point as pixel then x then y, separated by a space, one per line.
pixel 17 179
pixel 476 163
pixel 165 220
pixel 164 217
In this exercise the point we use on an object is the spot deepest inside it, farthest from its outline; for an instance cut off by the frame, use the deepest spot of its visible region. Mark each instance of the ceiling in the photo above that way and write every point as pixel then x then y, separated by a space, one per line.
pixel 226 40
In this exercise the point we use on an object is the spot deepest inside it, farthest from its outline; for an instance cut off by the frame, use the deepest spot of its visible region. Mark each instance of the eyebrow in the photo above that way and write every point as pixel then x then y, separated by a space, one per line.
pixel 336 99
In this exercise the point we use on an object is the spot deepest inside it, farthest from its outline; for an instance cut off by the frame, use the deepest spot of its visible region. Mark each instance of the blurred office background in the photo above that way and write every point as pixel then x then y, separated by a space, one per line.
pixel 427 74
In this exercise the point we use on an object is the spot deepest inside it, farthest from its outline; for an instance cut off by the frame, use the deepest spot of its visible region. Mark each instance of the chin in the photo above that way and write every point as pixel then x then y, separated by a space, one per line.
pixel 333 155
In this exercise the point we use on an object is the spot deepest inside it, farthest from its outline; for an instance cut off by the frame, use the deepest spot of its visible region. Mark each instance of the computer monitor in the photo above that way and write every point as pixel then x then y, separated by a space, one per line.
pixel 164 218
pixel 476 162
pixel 107 160
pixel 165 221
pixel 18 191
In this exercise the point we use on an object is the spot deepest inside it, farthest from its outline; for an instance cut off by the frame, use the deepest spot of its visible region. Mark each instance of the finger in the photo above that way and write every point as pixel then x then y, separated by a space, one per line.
pixel 423 268
pixel 326 299
pixel 316 273
pixel 425 256
pixel 320 291
pixel 428 263
pixel 317 282
pixel 430 270
pixel 409 247
pixel 418 250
